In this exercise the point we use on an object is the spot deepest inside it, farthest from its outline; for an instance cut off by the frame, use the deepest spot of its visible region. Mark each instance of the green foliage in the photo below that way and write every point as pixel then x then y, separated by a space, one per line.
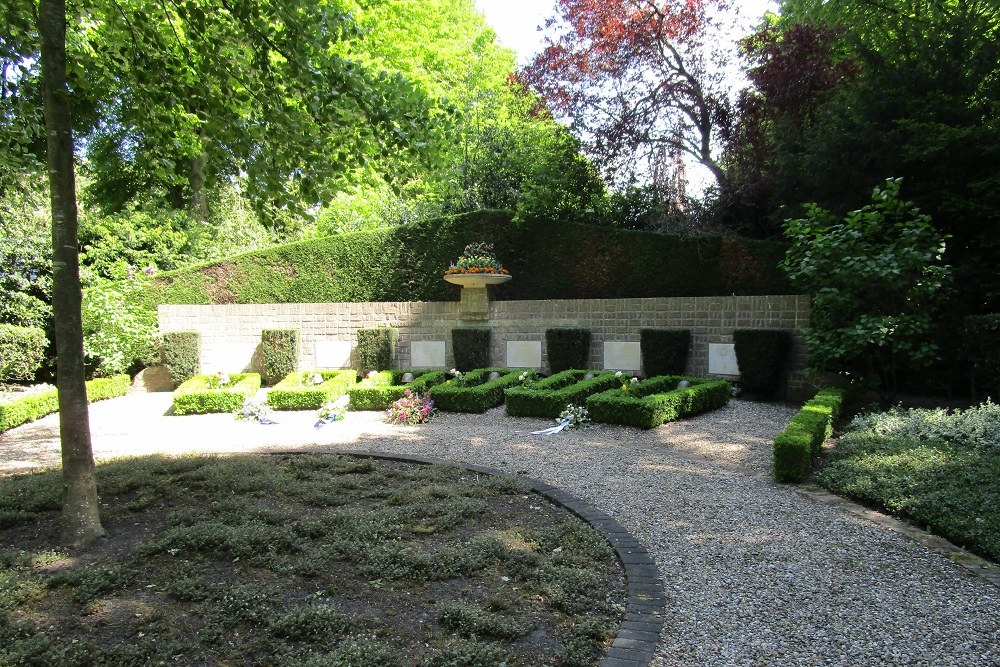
pixel 478 394
pixel 381 390
pixel 37 406
pixel 134 238
pixel 406 263
pixel 22 351
pixel 923 466
pixel 567 348
pixel 118 334
pixel 795 447
pixel 548 397
pixel 761 355
pixel 981 348
pixel 182 355
pixel 471 347
pixel 280 350
pixel 658 400
pixel 25 255
pixel 377 348
pixel 664 351
pixel 201 394
pixel 876 280
pixel 299 391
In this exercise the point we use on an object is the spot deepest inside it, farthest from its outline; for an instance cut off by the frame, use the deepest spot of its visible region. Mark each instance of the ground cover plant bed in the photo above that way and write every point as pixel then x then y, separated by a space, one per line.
pixel 379 390
pixel 474 391
pixel 658 400
pixel 204 394
pixel 935 469
pixel 304 560
pixel 549 397
pixel 309 390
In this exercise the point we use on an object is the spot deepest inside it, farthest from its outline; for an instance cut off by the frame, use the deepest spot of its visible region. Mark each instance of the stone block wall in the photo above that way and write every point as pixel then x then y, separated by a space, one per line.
pixel 231 333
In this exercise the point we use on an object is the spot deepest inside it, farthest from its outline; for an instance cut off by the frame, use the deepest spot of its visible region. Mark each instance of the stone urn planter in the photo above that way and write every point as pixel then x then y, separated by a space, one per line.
pixel 477 279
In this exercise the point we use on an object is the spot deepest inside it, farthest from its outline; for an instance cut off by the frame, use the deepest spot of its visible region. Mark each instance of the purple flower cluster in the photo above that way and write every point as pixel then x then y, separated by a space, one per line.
pixel 411 409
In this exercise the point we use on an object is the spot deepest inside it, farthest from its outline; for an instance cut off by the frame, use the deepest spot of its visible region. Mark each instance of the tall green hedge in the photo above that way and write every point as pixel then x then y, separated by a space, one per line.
pixel 182 355
pixel 377 348
pixel 761 356
pixel 280 350
pixel 548 261
pixel 664 351
pixel 567 348
pixel 471 348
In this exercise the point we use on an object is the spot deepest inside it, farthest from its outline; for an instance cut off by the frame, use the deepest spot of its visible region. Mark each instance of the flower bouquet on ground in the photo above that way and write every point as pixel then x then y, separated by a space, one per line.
pixel 572 416
pixel 412 408
pixel 332 411
pixel 254 411
pixel 477 258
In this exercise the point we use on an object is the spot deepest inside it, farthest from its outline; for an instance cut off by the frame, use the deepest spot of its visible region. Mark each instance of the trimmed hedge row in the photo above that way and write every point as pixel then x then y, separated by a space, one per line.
pixel 295 392
pixel 37 406
pixel 761 355
pixel 405 263
pixel 795 447
pixel 567 348
pixel 548 397
pixel 471 347
pixel 664 351
pixel 386 387
pixel 377 348
pixel 658 400
pixel 280 351
pixel 478 394
pixel 197 396
pixel 182 355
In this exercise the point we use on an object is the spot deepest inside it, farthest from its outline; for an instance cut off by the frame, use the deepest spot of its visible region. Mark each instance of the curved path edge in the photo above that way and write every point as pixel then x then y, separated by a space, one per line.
pixel 639 632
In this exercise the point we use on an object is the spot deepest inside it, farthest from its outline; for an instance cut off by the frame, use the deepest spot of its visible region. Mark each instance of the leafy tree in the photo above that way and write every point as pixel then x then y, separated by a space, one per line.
pixel 25 260
pixel 630 76
pixel 876 279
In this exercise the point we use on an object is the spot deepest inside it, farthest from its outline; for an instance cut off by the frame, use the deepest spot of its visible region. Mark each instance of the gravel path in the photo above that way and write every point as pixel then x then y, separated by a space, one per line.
pixel 755 573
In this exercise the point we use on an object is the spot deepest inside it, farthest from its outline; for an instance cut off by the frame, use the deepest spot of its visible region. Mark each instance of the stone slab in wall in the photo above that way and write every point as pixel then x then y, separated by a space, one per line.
pixel 622 356
pixel 332 354
pixel 722 359
pixel 427 354
pixel 524 354
pixel 228 358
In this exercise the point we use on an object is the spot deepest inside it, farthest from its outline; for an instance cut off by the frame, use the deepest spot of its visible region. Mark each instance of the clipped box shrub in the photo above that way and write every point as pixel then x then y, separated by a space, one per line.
pixel 280 351
pixel 664 351
pixel 981 337
pixel 548 397
pixel 22 351
pixel 567 348
pixel 761 355
pixel 800 442
pixel 37 406
pixel 478 394
pixel 198 395
pixel 182 355
pixel 298 391
pixel 657 401
pixel 385 387
pixel 471 348
pixel 377 348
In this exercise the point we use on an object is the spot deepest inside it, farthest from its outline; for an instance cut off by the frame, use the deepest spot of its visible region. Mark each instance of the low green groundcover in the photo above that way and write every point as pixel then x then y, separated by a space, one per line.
pixel 304 560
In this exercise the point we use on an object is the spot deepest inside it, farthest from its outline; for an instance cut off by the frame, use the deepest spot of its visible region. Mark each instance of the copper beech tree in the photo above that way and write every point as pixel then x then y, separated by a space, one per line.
pixel 631 77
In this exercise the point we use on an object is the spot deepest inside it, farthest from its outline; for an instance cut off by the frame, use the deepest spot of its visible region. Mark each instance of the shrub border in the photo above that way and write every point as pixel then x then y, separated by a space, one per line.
pixel 653 404
pixel 367 395
pixel 795 447
pixel 477 398
pixel 549 397
pixel 291 394
pixel 30 408
pixel 190 396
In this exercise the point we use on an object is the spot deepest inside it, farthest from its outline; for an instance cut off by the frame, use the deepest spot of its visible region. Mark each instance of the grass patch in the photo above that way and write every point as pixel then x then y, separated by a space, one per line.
pixel 304 560
pixel 918 470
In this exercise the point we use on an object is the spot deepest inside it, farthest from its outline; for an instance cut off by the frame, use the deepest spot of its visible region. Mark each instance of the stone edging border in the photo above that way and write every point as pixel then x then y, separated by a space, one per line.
pixel 639 632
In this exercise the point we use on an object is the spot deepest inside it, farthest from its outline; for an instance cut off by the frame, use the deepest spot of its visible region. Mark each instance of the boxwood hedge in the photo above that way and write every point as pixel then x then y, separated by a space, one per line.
pixel 36 406
pixel 795 447
pixel 296 391
pixel 379 391
pixel 198 396
pixel 658 400
pixel 548 397
pixel 478 394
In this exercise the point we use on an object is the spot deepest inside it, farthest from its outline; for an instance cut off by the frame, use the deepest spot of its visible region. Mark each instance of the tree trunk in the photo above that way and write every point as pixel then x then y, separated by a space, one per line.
pixel 81 517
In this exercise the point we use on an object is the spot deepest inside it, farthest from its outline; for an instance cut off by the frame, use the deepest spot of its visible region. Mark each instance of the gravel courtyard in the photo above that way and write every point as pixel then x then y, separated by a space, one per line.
pixel 755 573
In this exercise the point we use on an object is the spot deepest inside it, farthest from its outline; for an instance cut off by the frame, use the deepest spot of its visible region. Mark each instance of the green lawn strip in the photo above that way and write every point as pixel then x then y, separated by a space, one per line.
pixel 36 406
pixel 658 400
pixel 385 387
pixel 949 489
pixel 478 393
pixel 305 559
pixel 199 396
pixel 548 397
pixel 800 442
pixel 296 391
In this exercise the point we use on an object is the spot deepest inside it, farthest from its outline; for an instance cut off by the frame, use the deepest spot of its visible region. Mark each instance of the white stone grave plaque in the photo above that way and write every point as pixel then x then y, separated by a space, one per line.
pixel 332 354
pixel 524 354
pixel 620 356
pixel 722 359
pixel 227 357
pixel 427 354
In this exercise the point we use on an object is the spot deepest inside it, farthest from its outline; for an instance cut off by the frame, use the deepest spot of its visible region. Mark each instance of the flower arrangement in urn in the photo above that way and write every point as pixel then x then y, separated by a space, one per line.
pixel 477 258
